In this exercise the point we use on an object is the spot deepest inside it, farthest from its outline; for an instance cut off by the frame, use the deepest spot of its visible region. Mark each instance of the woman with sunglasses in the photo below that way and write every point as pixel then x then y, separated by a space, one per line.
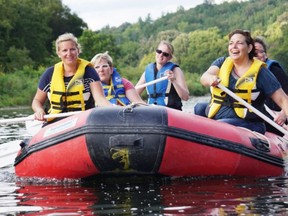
pixel 71 85
pixel 248 78
pixel 117 90
pixel 169 92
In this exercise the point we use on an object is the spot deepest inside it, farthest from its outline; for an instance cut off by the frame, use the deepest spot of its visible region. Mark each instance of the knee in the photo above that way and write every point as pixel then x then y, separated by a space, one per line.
pixel 200 109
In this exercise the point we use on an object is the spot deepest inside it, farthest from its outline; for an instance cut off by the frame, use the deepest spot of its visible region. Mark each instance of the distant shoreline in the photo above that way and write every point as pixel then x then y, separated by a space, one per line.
pixel 188 106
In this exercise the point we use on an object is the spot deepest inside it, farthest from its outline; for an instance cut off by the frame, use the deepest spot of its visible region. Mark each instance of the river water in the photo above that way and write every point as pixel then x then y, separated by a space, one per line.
pixel 134 195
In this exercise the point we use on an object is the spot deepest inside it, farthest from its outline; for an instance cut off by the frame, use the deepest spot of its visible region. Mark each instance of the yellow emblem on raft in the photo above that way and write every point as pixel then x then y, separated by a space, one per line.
pixel 122 156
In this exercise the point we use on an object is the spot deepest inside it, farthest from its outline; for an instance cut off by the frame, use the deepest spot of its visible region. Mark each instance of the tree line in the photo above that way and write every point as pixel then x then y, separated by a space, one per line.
pixel 29 28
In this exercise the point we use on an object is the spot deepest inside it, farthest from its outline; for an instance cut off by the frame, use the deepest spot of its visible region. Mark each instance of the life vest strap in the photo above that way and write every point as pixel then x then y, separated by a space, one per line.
pixel 156 95
pixel 57 93
pixel 66 93
pixel 243 91
pixel 73 109
pixel 57 108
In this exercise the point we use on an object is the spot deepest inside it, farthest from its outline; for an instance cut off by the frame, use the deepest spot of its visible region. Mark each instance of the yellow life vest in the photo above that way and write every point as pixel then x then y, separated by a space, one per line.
pixel 69 98
pixel 245 88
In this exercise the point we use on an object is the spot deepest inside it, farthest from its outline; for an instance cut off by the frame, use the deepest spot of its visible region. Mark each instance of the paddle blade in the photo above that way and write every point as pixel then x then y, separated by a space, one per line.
pixel 33 127
pixel 8 153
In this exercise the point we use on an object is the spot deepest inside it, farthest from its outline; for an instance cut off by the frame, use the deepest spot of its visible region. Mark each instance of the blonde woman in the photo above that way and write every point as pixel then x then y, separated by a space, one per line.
pixel 70 85
pixel 117 90
pixel 169 92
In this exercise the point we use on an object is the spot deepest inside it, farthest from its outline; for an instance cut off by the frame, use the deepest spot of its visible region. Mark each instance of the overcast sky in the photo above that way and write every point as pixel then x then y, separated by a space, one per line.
pixel 100 13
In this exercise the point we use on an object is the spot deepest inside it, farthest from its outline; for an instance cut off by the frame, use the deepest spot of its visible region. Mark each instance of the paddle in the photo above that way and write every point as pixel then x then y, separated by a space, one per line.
pixel 33 126
pixel 31 117
pixel 257 112
pixel 8 152
pixel 270 111
pixel 151 82
pixel 273 114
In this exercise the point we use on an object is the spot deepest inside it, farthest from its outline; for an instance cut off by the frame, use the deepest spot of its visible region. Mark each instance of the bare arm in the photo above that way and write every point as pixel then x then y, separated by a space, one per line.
pixel 176 77
pixel 140 82
pixel 281 99
pixel 133 96
pixel 37 104
pixel 98 94
pixel 210 77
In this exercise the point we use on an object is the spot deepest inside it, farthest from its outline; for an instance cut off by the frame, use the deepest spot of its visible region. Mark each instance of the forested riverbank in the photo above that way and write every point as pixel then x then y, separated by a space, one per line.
pixel 199 36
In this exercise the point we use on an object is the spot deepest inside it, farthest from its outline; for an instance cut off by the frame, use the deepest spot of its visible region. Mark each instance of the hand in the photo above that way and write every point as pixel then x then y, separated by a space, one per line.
pixel 39 115
pixel 280 118
pixel 215 81
pixel 171 76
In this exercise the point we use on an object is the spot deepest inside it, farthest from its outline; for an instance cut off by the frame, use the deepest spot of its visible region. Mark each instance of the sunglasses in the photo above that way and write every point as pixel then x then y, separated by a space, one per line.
pixel 164 53
pixel 259 51
pixel 103 66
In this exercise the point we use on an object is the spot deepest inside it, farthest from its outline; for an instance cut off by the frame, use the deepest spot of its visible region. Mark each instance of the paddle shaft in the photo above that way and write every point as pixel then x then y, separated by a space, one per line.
pixel 31 117
pixel 249 106
pixel 151 82
pixel 272 113
pixel 59 115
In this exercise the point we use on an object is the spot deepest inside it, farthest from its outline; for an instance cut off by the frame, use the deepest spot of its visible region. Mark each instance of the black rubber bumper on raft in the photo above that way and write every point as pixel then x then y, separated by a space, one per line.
pixel 129 139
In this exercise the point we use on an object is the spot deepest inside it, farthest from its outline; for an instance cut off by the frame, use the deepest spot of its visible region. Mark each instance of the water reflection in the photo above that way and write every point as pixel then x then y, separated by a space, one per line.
pixel 150 196
pixel 10 132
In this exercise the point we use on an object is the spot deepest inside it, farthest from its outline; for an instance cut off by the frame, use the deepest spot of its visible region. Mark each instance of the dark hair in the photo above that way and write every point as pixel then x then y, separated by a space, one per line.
pixel 249 40
pixel 260 41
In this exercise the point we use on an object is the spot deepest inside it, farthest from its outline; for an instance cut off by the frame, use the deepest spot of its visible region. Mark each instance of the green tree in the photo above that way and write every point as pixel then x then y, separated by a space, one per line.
pixel 204 47
pixel 18 58
pixel 32 26
pixel 62 20
pixel 93 43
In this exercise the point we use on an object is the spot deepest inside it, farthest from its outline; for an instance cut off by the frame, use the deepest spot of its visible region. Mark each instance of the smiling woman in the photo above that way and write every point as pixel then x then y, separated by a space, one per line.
pixel 164 53
pixel 170 92
pixel 70 85
pixel 248 78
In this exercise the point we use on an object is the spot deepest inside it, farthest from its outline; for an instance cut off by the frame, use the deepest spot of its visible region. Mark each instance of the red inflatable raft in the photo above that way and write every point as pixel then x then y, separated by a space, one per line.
pixel 148 140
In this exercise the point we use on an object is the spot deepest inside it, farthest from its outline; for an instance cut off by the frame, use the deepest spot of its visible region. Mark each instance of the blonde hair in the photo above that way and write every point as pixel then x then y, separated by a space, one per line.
pixel 169 45
pixel 67 37
pixel 102 56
